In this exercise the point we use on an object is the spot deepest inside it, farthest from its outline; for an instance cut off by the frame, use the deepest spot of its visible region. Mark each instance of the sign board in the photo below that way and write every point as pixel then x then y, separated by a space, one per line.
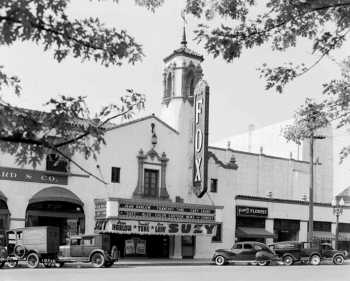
pixel 13 174
pixel 246 211
pixel 155 228
pixel 100 208
pixel 201 127
pixel 163 211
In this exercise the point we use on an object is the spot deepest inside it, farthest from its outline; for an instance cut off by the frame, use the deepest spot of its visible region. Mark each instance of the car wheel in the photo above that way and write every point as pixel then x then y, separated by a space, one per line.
pixel 338 260
pixel 288 260
pixel 59 264
pixel 97 260
pixel 12 263
pixel 315 260
pixel 33 260
pixel 220 260
pixel 108 264
pixel 263 263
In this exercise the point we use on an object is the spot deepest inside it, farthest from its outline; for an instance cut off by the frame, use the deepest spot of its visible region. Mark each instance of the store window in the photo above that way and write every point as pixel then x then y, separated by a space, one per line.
pixel 55 163
pixel 151 179
pixel 218 235
pixel 115 174
pixel 344 227
pixel 214 185
pixel 322 226
pixel 250 222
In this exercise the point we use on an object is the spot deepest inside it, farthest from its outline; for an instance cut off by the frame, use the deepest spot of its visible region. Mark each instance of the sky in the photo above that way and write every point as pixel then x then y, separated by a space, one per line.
pixel 237 95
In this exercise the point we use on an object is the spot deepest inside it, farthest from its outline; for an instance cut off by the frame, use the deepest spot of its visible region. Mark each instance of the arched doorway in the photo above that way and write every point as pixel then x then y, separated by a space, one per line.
pixel 4 218
pixel 57 206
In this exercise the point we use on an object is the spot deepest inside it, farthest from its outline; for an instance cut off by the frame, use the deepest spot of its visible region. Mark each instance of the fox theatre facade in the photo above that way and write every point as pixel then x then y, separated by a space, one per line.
pixel 154 228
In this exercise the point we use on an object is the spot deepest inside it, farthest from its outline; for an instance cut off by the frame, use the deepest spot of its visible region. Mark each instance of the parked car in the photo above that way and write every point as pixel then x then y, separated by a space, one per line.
pixel 34 245
pixel 293 251
pixel 95 248
pixel 248 252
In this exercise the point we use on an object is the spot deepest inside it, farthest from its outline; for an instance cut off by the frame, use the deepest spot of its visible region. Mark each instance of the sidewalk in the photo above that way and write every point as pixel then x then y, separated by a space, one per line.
pixel 152 262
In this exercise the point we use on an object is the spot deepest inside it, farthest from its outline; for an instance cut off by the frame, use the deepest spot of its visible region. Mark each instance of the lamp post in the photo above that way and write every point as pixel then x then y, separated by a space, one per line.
pixel 338 206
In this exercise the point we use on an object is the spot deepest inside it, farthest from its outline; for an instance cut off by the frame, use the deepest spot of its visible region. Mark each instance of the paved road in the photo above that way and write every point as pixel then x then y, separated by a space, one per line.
pixel 180 273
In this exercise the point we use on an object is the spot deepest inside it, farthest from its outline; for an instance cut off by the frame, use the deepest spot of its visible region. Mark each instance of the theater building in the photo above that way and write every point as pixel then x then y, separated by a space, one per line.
pixel 154 170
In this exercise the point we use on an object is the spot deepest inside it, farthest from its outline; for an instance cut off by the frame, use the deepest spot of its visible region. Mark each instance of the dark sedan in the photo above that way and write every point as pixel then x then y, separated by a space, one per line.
pixel 247 252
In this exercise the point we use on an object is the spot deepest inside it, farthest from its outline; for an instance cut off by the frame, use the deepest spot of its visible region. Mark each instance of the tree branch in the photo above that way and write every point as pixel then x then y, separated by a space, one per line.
pixel 99 126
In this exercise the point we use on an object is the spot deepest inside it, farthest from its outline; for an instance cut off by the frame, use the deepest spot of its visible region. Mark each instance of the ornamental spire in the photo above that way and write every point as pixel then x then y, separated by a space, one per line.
pixel 184 41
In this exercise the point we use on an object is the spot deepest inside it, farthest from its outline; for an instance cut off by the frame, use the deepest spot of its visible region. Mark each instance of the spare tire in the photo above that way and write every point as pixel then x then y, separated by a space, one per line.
pixel 20 251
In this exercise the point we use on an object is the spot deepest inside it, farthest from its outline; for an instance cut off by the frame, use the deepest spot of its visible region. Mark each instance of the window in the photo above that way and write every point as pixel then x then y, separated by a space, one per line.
pixel 115 176
pixel 247 247
pixel 169 82
pixel 218 235
pixel 151 183
pixel 258 248
pixel 250 222
pixel 89 241
pixel 322 226
pixel 75 241
pixel 55 163
pixel 214 185
pixel 237 246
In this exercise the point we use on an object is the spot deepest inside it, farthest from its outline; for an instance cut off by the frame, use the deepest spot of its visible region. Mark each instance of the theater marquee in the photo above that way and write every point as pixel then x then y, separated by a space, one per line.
pixel 201 124
pixel 119 215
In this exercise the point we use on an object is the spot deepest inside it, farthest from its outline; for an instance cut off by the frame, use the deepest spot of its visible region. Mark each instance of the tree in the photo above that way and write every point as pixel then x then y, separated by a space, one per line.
pixel 247 24
pixel 67 126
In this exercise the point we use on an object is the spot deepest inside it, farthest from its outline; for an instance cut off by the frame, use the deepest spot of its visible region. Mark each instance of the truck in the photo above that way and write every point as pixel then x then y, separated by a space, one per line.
pixel 306 252
pixel 40 244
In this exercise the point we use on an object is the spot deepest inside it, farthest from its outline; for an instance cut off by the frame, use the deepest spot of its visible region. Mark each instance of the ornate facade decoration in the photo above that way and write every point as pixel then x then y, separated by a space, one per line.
pixel 190 76
pixel 142 160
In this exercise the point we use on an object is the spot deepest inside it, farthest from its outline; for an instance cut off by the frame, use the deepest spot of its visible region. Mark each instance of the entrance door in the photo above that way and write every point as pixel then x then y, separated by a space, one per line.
pixel 188 246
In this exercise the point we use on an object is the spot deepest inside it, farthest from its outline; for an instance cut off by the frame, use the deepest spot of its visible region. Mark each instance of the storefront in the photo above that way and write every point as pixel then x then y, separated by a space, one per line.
pixel 251 224
pixel 286 230
pixel 4 217
pixel 322 232
pixel 344 237
pixel 149 228
pixel 56 206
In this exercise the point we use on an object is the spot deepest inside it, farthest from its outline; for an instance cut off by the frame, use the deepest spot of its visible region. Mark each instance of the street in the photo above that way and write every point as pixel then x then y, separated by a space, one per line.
pixel 182 273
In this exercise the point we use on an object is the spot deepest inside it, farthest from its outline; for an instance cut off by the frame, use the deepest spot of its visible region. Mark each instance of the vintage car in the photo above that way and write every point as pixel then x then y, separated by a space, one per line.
pixel 95 248
pixel 34 245
pixel 305 252
pixel 248 252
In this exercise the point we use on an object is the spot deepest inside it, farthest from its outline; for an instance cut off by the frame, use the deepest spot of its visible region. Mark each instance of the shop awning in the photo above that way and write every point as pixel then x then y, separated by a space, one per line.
pixel 2 196
pixel 56 193
pixel 344 236
pixel 253 232
pixel 323 235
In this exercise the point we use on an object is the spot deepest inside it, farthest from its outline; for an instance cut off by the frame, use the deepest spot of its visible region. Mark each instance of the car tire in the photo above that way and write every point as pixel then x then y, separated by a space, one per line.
pixel 12 263
pixel 20 251
pixel 220 260
pixel 338 260
pixel 288 260
pixel 33 260
pixel 59 264
pixel 97 260
pixel 315 260
pixel 108 264
pixel 263 263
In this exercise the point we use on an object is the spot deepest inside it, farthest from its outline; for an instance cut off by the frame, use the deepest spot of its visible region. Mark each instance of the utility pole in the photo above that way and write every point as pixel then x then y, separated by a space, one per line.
pixel 311 190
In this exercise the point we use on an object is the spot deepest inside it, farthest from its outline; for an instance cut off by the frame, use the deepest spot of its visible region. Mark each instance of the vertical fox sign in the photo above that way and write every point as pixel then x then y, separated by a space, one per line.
pixel 201 118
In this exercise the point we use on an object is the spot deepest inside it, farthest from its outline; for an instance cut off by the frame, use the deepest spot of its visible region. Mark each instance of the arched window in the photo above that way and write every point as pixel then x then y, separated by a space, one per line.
pixel 191 89
pixel 190 84
pixel 169 85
